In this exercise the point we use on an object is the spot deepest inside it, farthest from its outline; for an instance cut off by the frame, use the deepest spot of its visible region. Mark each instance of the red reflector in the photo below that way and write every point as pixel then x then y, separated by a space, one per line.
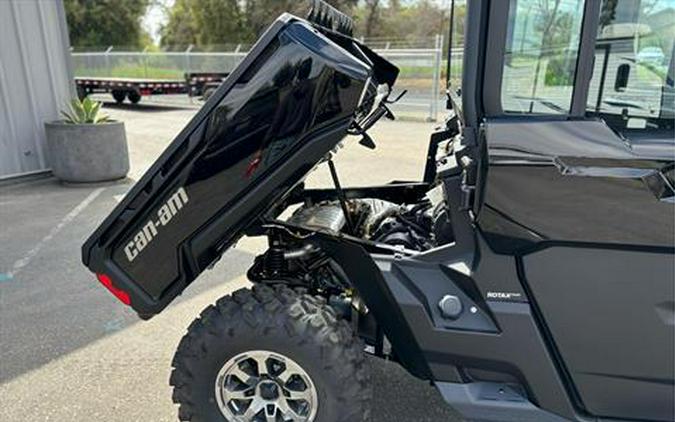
pixel 119 293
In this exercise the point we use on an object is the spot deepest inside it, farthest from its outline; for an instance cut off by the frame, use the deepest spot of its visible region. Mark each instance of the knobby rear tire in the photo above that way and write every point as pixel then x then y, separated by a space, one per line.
pixel 293 323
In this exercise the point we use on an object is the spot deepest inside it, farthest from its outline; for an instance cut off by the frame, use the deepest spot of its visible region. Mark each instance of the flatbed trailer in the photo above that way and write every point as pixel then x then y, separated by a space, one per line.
pixel 203 84
pixel 133 89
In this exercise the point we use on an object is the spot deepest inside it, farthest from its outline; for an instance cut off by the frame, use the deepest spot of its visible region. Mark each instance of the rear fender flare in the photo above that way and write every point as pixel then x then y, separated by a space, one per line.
pixel 368 280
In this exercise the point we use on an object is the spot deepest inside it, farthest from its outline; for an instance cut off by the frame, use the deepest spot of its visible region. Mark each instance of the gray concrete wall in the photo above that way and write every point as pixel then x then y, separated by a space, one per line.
pixel 35 80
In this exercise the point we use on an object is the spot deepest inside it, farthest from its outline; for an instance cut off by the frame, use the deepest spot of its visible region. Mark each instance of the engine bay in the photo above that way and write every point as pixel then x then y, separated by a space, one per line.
pixel 416 226
pixel 419 222
pixel 399 217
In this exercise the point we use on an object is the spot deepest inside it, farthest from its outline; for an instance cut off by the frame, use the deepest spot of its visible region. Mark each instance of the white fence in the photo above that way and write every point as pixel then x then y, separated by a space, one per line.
pixel 153 65
pixel 420 75
pixel 421 68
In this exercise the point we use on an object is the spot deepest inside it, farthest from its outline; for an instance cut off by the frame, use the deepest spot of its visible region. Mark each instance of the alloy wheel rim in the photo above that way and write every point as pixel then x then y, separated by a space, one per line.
pixel 264 386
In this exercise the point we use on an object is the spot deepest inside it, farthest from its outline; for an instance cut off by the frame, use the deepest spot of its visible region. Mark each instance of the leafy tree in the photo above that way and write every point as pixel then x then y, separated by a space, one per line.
pixel 422 19
pixel 216 22
pixel 556 28
pixel 209 22
pixel 181 28
pixel 219 22
pixel 95 23
pixel 372 16
pixel 260 13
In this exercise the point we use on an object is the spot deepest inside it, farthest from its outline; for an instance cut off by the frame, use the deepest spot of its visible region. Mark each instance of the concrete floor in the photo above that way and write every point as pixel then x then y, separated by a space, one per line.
pixel 69 351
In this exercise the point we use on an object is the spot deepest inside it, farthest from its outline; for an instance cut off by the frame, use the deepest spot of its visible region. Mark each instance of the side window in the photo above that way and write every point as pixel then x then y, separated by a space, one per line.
pixel 632 84
pixel 542 48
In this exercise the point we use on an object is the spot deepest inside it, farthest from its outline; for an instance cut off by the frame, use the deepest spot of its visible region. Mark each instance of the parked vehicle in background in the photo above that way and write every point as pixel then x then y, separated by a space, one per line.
pixel 420 61
pixel 203 84
pixel 133 89
pixel 528 275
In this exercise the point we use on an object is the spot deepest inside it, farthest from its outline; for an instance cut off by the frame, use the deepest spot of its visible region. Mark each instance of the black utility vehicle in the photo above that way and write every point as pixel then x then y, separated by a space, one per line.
pixel 529 276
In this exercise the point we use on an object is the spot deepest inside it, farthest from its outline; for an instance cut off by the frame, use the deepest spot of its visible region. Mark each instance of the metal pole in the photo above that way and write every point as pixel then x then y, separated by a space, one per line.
pixel 598 104
pixel 449 60
pixel 107 60
pixel 187 70
pixel 145 61
pixel 188 66
pixel 433 109
pixel 237 57
pixel 439 66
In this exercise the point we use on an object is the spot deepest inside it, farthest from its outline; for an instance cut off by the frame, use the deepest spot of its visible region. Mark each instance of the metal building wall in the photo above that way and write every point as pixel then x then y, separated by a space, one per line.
pixel 35 80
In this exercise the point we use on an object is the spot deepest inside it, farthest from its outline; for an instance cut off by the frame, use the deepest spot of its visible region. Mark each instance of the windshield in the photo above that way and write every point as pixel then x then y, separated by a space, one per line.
pixel 540 58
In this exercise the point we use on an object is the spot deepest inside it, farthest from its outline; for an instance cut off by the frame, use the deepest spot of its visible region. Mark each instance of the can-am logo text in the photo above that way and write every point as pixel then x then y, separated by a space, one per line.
pixel 165 214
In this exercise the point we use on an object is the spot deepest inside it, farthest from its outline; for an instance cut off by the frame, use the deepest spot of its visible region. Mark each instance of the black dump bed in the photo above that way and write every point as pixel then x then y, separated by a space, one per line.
pixel 272 120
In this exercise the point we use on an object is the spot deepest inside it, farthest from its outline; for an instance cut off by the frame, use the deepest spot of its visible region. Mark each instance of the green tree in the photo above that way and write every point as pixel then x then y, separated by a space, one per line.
pixel 372 17
pixel 95 23
pixel 217 22
pixel 181 29
pixel 398 20
pixel 260 13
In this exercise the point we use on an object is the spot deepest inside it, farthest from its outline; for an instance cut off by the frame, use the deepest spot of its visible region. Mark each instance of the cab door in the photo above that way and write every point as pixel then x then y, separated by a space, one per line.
pixel 575 123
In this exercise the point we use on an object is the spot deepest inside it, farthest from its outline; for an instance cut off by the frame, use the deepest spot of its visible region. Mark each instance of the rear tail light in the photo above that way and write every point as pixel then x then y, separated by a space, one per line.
pixel 119 293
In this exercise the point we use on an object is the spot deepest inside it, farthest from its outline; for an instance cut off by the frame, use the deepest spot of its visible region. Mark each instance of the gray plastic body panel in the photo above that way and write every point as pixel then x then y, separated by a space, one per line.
pixel 612 319
pixel 492 402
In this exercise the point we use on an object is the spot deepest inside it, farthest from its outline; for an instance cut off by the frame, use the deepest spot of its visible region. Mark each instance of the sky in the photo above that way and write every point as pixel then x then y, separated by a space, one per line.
pixel 155 17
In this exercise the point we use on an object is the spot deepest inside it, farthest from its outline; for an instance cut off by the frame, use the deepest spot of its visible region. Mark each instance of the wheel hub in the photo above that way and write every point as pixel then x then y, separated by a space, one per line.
pixel 265 386
pixel 269 390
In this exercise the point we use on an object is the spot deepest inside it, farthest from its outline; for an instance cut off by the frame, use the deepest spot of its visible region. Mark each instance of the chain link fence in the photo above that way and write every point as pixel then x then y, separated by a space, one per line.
pixel 421 63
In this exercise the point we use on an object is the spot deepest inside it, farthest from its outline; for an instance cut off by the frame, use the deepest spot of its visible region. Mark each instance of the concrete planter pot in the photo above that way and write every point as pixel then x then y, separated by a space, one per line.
pixel 88 152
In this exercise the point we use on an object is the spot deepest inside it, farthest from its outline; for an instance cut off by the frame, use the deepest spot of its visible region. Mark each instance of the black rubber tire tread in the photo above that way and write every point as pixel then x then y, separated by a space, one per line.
pixel 292 318
pixel 118 96
pixel 134 97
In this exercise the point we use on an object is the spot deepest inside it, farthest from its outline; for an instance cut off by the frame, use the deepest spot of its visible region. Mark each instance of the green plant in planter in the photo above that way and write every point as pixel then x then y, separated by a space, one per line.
pixel 84 112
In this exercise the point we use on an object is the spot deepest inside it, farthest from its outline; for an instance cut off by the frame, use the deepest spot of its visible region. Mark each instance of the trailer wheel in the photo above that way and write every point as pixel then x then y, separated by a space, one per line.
pixel 134 96
pixel 118 96
pixel 271 354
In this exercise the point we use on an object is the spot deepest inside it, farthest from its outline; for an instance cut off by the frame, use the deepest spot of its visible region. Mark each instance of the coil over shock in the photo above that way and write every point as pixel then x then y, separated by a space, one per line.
pixel 274 261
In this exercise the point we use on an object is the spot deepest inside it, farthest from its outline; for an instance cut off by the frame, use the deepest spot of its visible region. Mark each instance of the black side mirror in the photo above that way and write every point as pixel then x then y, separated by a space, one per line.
pixel 622 73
